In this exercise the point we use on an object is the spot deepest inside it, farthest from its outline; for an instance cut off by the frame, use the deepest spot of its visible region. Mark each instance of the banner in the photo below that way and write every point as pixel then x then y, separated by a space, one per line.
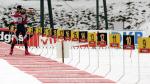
pixel 6 36
pixel 38 30
pixel 33 40
pixel 44 41
pixel 92 39
pixel 67 35
pixel 102 39
pixel 83 36
pixel 54 33
pixel 114 40
pixel 12 29
pixel 60 33
pixel 144 45
pixel 135 33
pixel 75 35
pixel 128 42
pixel 30 30
pixel 47 32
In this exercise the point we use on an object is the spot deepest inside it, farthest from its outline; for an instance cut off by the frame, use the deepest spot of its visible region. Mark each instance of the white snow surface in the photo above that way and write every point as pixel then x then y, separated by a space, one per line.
pixel 122 66
pixel 12 75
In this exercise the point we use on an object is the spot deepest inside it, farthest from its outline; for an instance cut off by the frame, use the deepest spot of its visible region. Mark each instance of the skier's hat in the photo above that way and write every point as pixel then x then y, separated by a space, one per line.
pixel 19 7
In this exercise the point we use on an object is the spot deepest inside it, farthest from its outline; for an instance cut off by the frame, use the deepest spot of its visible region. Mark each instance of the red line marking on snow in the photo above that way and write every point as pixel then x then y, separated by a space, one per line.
pixel 48 71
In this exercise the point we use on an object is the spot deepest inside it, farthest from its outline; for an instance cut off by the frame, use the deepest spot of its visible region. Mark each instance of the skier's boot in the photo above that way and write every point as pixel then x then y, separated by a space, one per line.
pixel 26 52
pixel 11 52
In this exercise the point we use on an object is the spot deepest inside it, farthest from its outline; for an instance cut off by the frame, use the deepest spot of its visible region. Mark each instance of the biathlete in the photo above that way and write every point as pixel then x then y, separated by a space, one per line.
pixel 21 19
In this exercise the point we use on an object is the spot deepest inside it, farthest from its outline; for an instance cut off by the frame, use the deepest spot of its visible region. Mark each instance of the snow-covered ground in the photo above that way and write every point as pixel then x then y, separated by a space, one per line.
pixel 11 75
pixel 122 66
pixel 119 65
